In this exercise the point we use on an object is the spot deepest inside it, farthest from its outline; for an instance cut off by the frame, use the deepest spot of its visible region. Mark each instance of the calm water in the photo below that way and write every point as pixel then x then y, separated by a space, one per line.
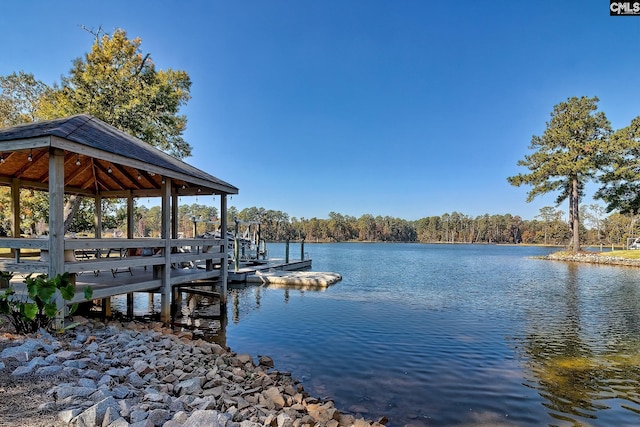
pixel 454 335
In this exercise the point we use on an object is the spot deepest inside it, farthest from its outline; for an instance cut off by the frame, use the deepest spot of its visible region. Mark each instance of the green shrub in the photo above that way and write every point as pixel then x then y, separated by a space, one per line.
pixel 38 309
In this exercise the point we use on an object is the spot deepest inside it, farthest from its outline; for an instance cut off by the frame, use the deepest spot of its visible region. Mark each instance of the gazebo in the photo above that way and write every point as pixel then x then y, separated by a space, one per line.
pixel 83 156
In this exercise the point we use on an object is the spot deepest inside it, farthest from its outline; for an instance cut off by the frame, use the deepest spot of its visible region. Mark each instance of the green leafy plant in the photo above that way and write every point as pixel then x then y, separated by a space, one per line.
pixel 38 307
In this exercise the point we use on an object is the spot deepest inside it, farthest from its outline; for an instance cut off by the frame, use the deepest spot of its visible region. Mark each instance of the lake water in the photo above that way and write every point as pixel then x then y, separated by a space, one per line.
pixel 454 335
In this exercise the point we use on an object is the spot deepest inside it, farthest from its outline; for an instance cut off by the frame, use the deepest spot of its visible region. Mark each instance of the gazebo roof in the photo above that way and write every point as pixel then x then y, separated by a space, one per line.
pixel 99 158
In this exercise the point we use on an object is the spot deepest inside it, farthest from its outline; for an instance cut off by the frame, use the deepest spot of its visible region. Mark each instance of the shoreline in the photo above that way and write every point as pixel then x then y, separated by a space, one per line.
pixel 593 258
pixel 143 374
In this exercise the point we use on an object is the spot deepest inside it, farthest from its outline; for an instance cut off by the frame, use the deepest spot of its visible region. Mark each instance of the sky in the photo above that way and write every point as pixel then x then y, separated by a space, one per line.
pixel 395 108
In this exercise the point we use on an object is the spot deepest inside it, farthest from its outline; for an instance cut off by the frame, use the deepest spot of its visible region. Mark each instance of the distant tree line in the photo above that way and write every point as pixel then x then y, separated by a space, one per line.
pixel 547 228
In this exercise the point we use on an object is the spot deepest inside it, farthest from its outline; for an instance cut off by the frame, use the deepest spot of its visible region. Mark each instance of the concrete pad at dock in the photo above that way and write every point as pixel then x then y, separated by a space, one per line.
pixel 310 279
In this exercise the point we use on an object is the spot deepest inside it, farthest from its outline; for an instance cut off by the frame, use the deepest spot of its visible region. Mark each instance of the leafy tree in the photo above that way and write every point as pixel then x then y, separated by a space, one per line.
pixel 116 83
pixel 570 152
pixel 20 96
pixel 621 180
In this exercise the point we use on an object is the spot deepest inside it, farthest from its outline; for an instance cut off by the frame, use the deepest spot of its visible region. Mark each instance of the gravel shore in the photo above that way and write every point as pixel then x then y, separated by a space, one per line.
pixel 593 258
pixel 145 375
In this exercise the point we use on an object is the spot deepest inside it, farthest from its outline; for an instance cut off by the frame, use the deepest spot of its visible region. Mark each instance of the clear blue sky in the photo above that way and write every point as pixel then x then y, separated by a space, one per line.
pixel 401 108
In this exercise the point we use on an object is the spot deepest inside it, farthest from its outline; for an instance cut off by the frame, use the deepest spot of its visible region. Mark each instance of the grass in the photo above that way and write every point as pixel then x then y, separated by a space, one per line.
pixel 628 254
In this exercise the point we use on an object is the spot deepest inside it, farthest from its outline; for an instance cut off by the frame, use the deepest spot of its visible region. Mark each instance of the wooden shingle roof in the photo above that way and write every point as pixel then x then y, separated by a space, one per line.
pixel 99 158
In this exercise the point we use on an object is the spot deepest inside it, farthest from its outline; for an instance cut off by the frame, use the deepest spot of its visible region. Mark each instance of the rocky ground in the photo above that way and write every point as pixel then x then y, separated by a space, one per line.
pixel 594 258
pixel 144 375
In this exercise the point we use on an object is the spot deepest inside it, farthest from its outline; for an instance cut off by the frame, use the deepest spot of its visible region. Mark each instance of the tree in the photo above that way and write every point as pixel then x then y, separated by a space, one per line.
pixel 20 96
pixel 114 82
pixel 621 180
pixel 119 85
pixel 571 151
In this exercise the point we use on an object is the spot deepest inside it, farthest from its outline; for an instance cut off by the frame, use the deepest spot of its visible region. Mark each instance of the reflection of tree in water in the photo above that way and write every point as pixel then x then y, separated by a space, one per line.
pixel 569 369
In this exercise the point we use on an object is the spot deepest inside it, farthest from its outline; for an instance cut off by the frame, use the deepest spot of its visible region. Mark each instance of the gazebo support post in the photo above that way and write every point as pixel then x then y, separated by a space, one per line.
pixel 15 210
pixel 130 228
pixel 56 225
pixel 225 262
pixel 165 271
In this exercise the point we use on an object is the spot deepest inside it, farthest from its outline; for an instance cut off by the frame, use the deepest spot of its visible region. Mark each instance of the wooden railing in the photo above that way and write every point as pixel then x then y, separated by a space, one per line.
pixel 112 254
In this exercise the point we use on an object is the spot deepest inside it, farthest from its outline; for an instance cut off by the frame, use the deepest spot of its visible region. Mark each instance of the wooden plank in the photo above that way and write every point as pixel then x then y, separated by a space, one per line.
pixel 113 263
pixel 113 243
pixel 203 292
pixel 109 291
pixel 15 243
pixel 187 256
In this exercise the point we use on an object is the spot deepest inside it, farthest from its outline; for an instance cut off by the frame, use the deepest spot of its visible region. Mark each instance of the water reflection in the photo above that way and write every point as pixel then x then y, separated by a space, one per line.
pixel 578 377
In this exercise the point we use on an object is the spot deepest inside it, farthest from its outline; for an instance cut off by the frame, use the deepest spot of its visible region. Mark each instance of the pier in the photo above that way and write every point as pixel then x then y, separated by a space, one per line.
pixel 83 157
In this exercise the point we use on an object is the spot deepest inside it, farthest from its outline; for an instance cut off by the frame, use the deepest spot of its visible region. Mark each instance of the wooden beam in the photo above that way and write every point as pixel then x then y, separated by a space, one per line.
pixel 224 263
pixel 97 219
pixel 56 224
pixel 15 207
pixel 165 271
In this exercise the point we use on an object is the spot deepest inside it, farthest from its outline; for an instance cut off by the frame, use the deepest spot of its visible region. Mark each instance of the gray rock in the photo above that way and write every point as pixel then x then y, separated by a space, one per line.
pixel 62 392
pixel 49 370
pixel 143 423
pixel 29 367
pixel 206 418
pixel 66 355
pixel 190 386
pixel 22 352
pixel 94 415
pixel 92 374
pixel 120 422
pixel 120 392
pixel 159 416
pixel 142 367
pixel 68 414
pixel 135 380
pixel 138 415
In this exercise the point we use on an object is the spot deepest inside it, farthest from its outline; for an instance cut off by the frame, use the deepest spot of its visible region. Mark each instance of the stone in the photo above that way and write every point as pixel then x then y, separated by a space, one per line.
pixel 266 361
pixel 284 420
pixel 142 367
pixel 22 352
pixel 120 422
pixel 206 418
pixel 68 414
pixel 62 392
pixel 138 415
pixel 245 358
pixel 94 415
pixel 159 416
pixel 46 371
pixel 273 394
pixel 190 386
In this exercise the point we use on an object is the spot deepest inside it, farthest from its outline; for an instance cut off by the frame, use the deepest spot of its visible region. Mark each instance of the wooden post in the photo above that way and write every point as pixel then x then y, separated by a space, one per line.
pixel 97 218
pixel 106 308
pixel 56 225
pixel 236 248
pixel 165 273
pixel 302 250
pixel 15 220
pixel 286 252
pixel 130 230
pixel 224 262
pixel 130 305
